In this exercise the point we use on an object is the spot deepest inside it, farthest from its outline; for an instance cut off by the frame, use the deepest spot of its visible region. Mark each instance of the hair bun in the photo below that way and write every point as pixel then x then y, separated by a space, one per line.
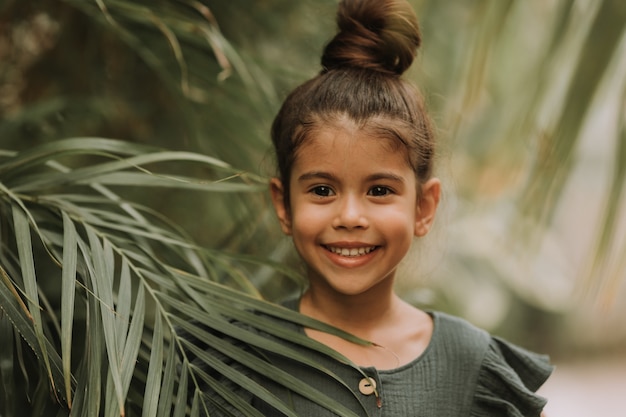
pixel 380 35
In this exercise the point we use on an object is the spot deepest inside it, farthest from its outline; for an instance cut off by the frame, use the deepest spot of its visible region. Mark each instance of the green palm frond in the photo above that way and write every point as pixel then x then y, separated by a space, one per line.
pixel 108 256
pixel 130 282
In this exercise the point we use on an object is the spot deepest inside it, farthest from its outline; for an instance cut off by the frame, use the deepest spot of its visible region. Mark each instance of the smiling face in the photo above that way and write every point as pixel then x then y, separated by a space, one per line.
pixel 353 208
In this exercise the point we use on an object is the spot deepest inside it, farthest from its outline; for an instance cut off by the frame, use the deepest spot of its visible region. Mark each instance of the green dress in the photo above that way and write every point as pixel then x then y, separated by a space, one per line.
pixel 464 372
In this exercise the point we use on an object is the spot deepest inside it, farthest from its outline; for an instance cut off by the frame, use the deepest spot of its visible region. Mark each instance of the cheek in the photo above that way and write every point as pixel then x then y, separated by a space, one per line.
pixel 401 212
pixel 397 221
pixel 307 220
pixel 305 233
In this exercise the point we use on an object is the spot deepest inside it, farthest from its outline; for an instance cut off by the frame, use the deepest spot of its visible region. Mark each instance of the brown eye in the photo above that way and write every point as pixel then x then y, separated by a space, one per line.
pixel 323 191
pixel 379 191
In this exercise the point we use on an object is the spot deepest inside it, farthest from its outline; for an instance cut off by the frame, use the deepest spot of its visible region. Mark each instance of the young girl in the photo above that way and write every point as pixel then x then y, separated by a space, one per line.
pixel 355 152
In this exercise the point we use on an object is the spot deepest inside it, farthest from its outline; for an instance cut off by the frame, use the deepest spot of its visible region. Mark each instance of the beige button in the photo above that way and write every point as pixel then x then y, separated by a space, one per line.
pixel 367 386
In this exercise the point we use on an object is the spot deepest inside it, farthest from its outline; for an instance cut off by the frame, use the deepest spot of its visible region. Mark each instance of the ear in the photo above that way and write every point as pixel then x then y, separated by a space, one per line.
pixel 277 192
pixel 427 206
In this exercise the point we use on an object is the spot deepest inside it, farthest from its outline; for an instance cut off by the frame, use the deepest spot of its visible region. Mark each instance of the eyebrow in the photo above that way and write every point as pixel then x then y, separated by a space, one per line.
pixel 373 177
pixel 315 175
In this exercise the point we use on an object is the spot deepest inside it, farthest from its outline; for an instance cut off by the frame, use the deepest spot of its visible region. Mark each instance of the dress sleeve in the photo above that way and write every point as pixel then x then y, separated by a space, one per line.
pixel 507 382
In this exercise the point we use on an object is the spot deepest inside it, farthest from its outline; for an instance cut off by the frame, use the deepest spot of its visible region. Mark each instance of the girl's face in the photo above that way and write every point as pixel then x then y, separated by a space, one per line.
pixel 353 209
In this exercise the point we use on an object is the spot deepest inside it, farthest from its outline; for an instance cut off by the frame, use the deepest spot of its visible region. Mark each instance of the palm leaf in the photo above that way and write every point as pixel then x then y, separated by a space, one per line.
pixel 129 274
pixel 103 264
pixel 31 292
pixel 68 291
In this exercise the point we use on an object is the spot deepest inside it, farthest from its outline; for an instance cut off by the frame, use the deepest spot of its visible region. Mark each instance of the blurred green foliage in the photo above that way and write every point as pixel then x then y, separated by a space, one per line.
pixel 528 97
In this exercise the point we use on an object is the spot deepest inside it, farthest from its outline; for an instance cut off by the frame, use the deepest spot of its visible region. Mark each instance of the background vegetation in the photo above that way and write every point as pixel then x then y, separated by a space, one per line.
pixel 173 222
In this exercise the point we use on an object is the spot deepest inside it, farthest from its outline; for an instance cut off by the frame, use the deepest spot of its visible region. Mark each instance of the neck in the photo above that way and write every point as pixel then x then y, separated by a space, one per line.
pixel 357 314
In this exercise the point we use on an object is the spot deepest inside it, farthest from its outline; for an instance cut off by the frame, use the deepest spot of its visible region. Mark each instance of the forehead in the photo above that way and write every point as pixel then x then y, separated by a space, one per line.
pixel 345 144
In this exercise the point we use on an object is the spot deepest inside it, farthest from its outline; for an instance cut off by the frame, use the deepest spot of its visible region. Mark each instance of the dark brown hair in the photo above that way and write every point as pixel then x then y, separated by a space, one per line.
pixel 361 79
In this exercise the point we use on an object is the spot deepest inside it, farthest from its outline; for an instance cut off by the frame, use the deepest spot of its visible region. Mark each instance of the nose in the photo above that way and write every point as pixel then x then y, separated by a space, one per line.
pixel 351 214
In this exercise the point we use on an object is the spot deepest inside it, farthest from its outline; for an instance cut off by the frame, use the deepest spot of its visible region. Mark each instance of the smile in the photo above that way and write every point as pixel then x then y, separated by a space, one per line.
pixel 351 252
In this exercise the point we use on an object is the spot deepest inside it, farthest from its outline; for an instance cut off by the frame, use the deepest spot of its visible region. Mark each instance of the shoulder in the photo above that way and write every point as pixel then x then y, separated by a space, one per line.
pixel 459 332
pixel 505 376
pixel 459 343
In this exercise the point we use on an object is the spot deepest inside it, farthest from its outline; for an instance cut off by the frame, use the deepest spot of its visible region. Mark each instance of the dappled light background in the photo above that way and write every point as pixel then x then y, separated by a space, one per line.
pixel 528 98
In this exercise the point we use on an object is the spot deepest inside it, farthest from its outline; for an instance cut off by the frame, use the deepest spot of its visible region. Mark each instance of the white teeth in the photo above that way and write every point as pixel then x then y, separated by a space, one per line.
pixel 351 251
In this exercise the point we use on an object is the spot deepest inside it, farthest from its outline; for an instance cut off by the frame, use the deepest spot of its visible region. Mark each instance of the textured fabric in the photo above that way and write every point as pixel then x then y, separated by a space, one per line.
pixel 463 372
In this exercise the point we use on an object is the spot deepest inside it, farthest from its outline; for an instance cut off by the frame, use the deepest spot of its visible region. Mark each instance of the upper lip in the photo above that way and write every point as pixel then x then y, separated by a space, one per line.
pixel 349 245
